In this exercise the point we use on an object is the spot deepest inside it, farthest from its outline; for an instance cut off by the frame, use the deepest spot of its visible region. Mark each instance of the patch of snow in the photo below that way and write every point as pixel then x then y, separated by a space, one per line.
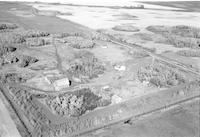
pixel 105 18
pixel 102 2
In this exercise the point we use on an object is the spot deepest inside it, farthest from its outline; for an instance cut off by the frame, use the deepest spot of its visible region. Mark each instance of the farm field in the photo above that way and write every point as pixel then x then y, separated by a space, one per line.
pixel 123 71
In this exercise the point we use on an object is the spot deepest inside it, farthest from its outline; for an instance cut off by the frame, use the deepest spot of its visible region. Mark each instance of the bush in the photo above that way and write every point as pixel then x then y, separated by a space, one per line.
pixel 189 53
pixel 180 36
pixel 37 42
pixel 34 33
pixel 143 36
pixel 86 65
pixel 196 32
pixel 9 59
pixel 186 31
pixel 79 42
pixel 127 28
pixel 180 30
pixel 139 53
pixel 18 38
pixel 161 76
pixel 5 50
pixel 158 29
pixel 73 104
pixel 67 34
pixel 11 38
pixel 4 26
pixel 99 36
pixel 27 60
pixel 62 35
pixel 21 36
pixel 12 77
pixel 182 42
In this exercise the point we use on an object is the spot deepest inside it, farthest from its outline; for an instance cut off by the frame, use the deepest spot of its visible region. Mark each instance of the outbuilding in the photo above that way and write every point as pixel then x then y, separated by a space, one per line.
pixel 61 83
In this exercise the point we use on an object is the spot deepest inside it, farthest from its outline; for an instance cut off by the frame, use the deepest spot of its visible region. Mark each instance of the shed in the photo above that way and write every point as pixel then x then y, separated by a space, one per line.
pixel 61 83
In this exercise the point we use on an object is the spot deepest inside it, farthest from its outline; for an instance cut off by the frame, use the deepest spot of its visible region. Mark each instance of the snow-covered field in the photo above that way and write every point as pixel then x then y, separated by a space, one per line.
pixel 102 18
pixel 95 2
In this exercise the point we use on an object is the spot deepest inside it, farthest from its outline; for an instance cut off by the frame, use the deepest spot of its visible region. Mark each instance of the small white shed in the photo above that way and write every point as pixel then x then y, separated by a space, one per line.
pixel 120 68
pixel 61 83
